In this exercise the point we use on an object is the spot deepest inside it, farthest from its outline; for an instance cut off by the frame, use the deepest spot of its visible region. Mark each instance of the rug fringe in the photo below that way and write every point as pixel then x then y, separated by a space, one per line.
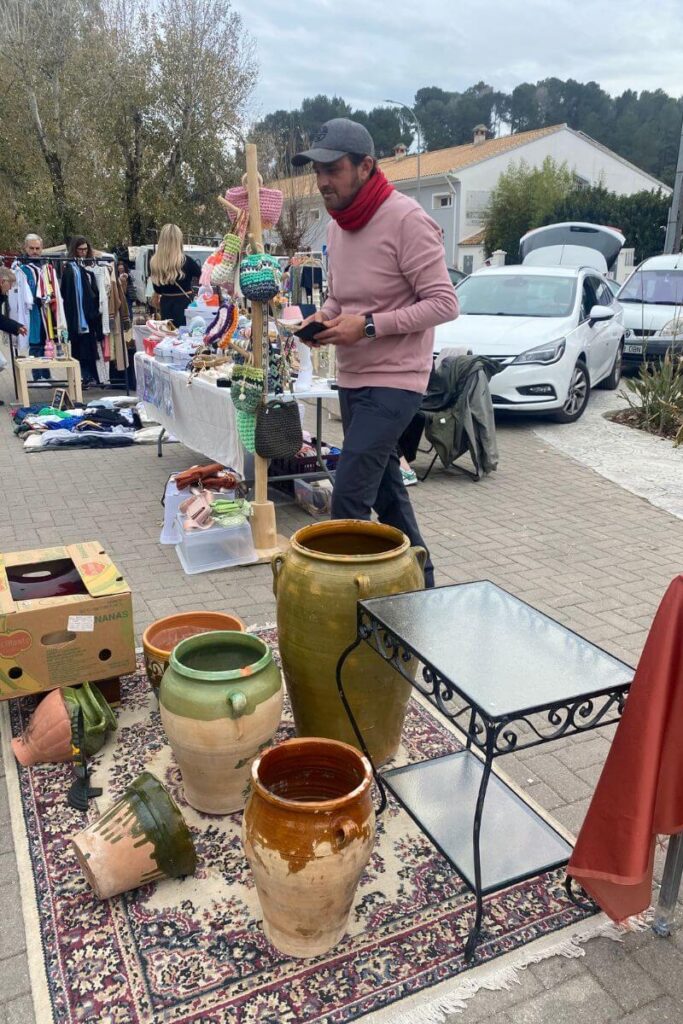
pixel 501 977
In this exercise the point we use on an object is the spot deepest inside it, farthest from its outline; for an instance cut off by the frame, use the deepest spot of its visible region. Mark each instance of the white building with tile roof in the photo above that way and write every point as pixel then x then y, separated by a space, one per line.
pixel 456 183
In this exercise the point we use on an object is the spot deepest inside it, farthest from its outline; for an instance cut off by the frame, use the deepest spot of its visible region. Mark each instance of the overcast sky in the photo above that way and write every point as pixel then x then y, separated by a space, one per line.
pixel 368 52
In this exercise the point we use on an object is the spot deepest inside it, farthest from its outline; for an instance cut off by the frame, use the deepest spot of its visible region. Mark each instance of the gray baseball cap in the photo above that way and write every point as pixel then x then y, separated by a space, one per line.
pixel 335 139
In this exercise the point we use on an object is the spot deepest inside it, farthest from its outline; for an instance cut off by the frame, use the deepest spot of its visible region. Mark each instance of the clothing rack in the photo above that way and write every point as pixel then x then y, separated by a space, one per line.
pixel 84 261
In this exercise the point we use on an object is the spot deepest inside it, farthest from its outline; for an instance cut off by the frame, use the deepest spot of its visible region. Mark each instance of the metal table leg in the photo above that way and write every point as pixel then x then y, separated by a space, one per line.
pixel 354 725
pixel 160 442
pixel 671 884
pixel 318 439
pixel 475 930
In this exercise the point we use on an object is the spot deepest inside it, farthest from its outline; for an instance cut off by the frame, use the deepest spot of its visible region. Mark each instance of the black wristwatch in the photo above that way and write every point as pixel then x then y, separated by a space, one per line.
pixel 369 330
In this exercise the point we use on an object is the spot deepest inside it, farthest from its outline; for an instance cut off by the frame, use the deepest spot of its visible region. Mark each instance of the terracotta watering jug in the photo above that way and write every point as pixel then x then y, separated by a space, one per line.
pixel 141 838
pixel 220 702
pixel 308 833
pixel 329 567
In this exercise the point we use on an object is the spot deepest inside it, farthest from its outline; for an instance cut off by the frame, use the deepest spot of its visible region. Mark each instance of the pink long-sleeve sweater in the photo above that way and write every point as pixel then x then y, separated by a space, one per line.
pixel 395 269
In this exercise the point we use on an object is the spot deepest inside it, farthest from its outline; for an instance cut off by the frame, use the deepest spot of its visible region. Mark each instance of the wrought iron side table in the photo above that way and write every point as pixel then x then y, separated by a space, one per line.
pixel 510 678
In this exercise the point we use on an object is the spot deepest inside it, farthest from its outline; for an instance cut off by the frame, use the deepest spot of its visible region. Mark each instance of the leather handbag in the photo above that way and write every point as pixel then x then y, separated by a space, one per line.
pixel 278 433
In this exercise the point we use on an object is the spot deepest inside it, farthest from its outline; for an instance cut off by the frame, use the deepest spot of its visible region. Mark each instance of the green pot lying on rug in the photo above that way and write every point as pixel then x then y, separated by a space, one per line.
pixel 52 732
pixel 141 838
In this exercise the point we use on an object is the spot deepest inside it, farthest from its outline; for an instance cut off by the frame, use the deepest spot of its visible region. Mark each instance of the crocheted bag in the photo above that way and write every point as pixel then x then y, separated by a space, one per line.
pixel 223 274
pixel 246 424
pixel 278 433
pixel 246 390
pixel 270 201
pixel 260 277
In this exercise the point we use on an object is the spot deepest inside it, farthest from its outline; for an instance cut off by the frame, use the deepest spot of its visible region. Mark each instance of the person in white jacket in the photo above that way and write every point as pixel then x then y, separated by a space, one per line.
pixel 8 281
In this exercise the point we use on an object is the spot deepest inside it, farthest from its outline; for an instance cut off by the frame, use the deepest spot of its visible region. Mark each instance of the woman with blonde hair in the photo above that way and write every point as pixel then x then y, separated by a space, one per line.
pixel 172 273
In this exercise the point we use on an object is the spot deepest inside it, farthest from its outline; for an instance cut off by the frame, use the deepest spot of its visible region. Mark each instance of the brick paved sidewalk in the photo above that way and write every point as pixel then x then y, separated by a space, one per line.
pixel 556 534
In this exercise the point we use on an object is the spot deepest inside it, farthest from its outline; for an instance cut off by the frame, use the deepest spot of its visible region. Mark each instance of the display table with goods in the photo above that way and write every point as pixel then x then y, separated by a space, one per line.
pixel 198 411
pixel 510 678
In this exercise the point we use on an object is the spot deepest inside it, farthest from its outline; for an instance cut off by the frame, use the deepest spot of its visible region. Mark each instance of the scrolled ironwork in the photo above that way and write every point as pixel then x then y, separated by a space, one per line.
pixel 568 719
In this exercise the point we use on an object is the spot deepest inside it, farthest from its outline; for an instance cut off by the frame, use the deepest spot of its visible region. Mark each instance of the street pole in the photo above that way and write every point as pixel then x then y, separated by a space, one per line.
pixel 397 103
pixel 672 243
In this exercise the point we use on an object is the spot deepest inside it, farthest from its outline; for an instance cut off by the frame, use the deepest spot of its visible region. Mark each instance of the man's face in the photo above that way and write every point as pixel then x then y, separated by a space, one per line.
pixel 339 183
pixel 34 248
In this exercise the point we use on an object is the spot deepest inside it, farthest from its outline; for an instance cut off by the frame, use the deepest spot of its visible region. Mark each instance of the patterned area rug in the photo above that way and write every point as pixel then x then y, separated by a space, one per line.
pixel 194 950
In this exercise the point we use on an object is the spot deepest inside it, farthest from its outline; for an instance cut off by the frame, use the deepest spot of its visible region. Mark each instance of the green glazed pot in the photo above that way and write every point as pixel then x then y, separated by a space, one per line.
pixel 141 838
pixel 318 582
pixel 98 717
pixel 220 702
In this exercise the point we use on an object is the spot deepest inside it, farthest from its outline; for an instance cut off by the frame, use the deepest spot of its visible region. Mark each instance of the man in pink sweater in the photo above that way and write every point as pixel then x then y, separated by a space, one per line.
pixel 388 287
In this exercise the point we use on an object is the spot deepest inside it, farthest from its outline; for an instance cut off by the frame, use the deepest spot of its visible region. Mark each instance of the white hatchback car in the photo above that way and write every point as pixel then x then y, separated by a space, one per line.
pixel 557 331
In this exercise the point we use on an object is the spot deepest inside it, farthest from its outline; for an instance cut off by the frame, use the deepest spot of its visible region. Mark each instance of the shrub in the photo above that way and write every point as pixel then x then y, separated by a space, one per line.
pixel 655 398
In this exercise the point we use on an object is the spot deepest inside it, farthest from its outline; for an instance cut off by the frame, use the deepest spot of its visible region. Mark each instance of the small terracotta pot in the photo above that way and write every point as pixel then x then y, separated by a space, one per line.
pixel 47 737
pixel 141 838
pixel 308 832
pixel 162 636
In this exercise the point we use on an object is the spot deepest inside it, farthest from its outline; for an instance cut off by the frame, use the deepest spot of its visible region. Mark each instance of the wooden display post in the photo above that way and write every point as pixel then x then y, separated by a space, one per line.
pixel 263 527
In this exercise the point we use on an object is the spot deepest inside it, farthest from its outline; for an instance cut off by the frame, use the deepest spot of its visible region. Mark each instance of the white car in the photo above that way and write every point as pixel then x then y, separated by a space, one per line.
pixel 652 298
pixel 557 331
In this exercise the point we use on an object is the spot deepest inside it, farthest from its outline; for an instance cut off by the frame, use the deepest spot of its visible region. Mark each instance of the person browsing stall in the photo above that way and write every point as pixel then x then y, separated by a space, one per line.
pixel 173 273
pixel 388 288
pixel 7 281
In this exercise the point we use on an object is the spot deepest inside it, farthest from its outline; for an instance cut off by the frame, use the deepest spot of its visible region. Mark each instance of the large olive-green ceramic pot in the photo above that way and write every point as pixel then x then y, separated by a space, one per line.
pixel 220 702
pixel 328 568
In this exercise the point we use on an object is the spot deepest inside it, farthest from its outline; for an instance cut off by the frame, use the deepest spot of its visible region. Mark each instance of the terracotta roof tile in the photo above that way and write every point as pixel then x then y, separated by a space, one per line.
pixel 437 162
pixel 476 239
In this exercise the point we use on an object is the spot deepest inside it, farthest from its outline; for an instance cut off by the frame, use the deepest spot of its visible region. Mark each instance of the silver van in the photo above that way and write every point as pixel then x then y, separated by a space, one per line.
pixel 652 299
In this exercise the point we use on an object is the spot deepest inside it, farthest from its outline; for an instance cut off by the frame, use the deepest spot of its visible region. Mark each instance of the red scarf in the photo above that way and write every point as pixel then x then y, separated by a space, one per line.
pixel 365 205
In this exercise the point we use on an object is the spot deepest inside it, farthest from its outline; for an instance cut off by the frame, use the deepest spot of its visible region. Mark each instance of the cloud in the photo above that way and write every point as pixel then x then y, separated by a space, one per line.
pixel 367 52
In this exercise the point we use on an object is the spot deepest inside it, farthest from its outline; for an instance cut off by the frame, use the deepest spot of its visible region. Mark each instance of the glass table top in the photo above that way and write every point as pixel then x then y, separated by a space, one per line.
pixel 501 654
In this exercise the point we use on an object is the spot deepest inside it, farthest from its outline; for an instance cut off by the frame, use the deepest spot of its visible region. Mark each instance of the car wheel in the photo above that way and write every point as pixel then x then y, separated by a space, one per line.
pixel 577 396
pixel 612 382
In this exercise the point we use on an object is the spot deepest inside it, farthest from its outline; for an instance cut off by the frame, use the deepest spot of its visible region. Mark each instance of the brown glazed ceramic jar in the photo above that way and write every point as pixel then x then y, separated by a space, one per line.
pixel 308 832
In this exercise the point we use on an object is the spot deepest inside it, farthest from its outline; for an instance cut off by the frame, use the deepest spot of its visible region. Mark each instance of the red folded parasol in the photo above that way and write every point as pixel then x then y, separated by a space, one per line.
pixel 640 792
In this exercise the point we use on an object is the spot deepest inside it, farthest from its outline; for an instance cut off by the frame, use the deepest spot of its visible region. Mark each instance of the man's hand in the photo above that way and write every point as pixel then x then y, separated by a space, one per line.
pixel 22 331
pixel 346 329
pixel 317 318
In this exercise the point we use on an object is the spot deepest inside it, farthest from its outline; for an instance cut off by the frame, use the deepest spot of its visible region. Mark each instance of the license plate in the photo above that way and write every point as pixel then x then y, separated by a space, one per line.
pixel 634 350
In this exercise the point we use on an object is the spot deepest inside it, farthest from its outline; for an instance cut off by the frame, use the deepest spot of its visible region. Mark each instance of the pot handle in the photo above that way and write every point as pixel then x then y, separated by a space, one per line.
pixel 276 564
pixel 344 830
pixel 420 555
pixel 362 582
pixel 237 704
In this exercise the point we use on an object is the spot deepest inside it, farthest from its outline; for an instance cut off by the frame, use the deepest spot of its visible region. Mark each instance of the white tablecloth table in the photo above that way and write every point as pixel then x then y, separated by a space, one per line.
pixel 201 415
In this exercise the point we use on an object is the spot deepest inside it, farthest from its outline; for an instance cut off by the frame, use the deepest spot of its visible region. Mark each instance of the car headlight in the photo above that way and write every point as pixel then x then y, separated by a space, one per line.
pixel 550 352
pixel 628 333
pixel 672 329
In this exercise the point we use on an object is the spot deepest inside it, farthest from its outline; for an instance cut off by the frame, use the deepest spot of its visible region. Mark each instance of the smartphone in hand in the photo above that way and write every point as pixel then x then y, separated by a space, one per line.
pixel 309 331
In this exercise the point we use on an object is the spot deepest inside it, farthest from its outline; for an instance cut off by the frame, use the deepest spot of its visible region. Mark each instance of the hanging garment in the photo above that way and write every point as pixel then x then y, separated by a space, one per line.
pixel 20 303
pixel 81 308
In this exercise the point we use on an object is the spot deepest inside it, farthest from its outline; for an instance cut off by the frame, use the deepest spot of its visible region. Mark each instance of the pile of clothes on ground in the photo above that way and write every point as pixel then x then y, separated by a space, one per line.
pixel 102 423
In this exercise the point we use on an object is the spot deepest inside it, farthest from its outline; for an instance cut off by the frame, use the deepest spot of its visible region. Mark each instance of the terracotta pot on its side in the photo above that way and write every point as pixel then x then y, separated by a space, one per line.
pixel 47 737
pixel 318 582
pixel 220 703
pixel 162 636
pixel 141 838
pixel 308 833
pixel 52 732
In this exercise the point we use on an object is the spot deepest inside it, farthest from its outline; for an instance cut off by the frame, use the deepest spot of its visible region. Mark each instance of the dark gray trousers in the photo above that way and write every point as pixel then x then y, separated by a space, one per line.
pixel 368 472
